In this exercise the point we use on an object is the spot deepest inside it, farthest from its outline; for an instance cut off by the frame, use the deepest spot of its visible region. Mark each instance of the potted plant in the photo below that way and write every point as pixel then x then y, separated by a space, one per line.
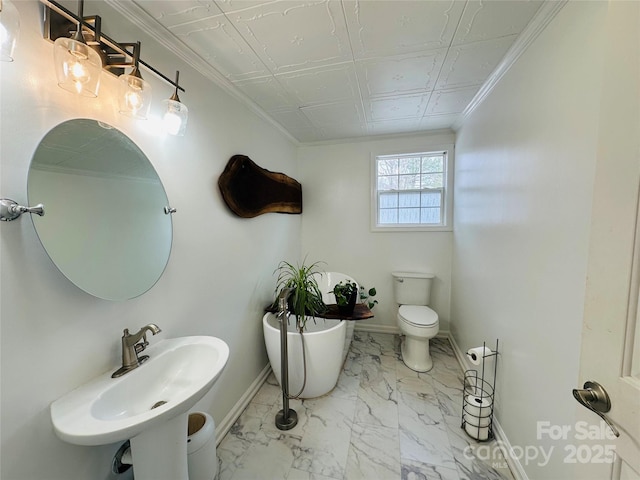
pixel 365 296
pixel 306 298
pixel 347 294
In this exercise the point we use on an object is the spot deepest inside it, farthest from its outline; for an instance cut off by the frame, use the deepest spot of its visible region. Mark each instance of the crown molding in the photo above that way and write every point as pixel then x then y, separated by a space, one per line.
pixel 379 137
pixel 538 23
pixel 142 20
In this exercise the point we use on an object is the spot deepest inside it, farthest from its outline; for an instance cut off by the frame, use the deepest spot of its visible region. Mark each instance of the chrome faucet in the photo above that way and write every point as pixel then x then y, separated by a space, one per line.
pixel 131 348
pixel 283 298
pixel 286 418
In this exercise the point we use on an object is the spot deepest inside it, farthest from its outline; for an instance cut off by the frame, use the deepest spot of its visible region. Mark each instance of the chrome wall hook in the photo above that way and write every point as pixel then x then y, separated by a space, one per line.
pixel 10 210
pixel 169 210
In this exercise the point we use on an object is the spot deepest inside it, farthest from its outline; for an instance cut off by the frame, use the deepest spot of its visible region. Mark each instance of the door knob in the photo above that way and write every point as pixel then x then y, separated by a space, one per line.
pixel 595 398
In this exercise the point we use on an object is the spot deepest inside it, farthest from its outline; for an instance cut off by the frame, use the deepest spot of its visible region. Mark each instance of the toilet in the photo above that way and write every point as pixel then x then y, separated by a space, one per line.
pixel 417 322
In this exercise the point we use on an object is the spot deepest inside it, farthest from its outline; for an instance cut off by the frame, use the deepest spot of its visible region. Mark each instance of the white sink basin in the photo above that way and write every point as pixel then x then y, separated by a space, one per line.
pixel 179 372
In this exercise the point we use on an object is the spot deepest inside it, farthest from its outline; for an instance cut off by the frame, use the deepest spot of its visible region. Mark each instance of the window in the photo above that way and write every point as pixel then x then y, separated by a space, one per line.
pixel 412 191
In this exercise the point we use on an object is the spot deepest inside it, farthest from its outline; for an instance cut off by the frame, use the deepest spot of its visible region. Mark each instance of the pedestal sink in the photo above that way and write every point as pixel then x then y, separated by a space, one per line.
pixel 149 405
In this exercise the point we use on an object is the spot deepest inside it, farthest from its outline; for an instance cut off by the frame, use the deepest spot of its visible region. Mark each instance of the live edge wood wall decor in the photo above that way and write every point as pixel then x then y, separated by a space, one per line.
pixel 250 190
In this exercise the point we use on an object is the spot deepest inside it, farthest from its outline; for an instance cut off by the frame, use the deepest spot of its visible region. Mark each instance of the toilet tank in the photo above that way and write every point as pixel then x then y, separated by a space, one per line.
pixel 412 288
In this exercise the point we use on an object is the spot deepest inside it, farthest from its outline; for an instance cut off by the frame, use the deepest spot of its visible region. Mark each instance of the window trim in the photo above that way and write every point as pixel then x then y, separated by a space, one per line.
pixel 447 214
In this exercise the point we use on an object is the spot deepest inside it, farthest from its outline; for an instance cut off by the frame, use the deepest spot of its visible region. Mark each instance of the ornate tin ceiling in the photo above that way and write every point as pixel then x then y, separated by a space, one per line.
pixel 330 69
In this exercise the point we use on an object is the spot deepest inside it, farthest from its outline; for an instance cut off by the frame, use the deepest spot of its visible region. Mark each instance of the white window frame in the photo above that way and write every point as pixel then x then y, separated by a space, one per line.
pixel 447 205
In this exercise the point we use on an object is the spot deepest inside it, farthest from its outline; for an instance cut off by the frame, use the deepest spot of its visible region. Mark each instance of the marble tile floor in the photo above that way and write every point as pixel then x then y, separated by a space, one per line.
pixel 382 421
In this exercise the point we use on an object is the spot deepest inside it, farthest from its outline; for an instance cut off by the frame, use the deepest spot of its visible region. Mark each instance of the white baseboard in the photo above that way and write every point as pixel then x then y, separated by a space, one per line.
pixel 377 328
pixel 461 357
pixel 223 428
pixel 503 441
pixel 392 329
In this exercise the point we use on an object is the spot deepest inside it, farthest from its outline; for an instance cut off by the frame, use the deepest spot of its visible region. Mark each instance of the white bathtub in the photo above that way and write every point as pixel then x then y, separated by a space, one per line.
pixel 326 345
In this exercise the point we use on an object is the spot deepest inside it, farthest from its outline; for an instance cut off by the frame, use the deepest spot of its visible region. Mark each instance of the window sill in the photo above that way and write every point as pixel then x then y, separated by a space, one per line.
pixel 399 229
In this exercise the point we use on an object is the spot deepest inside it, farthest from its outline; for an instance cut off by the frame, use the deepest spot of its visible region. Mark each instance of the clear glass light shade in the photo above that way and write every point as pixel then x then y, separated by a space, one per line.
pixel 9 29
pixel 134 96
pixel 78 67
pixel 175 117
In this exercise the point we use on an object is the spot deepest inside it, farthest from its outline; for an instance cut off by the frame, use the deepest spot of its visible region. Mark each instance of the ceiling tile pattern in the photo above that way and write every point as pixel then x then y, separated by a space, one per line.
pixel 330 69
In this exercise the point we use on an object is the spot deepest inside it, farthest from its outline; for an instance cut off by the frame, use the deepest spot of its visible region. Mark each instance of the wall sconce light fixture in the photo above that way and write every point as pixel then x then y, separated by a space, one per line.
pixel 78 66
pixel 9 29
pixel 133 92
pixel 176 113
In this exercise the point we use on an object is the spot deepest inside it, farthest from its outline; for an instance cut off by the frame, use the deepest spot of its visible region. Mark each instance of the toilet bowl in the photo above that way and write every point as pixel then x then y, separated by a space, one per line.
pixel 417 322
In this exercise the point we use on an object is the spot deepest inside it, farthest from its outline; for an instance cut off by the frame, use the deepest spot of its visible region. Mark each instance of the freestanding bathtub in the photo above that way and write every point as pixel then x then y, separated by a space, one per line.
pixel 326 344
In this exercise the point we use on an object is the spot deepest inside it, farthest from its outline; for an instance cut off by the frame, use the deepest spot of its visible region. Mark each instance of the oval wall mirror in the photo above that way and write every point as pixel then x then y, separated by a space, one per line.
pixel 104 226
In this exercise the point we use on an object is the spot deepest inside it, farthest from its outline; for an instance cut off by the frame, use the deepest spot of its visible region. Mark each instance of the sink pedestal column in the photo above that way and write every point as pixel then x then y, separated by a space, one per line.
pixel 160 453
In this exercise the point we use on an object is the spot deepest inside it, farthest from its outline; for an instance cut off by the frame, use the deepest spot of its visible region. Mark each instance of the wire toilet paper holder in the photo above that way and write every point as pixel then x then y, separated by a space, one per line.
pixel 479 395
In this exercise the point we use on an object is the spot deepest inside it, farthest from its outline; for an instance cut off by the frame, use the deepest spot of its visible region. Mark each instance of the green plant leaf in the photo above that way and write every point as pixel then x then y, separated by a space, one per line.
pixel 306 299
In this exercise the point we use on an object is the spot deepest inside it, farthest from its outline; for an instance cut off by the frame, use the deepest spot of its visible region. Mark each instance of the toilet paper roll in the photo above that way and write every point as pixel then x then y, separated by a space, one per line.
pixel 476 354
pixel 476 422
pixel 478 407
pixel 479 433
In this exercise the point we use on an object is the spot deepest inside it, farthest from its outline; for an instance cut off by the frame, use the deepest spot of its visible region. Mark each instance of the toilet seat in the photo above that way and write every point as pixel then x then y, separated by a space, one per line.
pixel 418 315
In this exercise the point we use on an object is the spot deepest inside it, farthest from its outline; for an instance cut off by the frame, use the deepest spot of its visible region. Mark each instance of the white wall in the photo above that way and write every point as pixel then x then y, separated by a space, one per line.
pixel 336 223
pixel 54 336
pixel 525 173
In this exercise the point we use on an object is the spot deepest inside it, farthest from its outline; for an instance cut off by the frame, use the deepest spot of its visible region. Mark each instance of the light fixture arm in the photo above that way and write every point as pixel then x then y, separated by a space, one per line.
pixel 97 28
pixel 78 36
pixel 135 58
pixel 175 97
